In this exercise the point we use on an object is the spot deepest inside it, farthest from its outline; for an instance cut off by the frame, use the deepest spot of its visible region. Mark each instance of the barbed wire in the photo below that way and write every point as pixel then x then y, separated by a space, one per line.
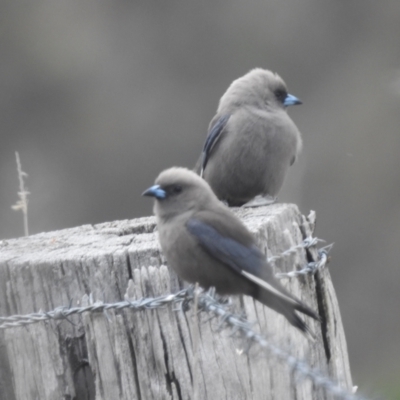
pixel 208 304
pixel 64 312
pixel 311 267
pixel 305 244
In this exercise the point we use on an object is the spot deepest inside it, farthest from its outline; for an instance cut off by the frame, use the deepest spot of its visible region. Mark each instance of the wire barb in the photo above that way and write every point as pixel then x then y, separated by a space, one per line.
pixel 312 267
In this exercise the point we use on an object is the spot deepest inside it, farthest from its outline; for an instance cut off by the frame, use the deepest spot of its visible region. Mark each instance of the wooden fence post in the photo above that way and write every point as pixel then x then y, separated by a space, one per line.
pixel 144 355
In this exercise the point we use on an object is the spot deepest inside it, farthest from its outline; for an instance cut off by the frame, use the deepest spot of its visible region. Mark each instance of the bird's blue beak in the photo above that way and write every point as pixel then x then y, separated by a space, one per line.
pixel 291 100
pixel 155 191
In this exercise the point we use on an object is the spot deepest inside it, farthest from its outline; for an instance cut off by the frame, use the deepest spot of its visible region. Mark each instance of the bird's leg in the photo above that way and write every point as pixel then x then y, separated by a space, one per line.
pixel 259 201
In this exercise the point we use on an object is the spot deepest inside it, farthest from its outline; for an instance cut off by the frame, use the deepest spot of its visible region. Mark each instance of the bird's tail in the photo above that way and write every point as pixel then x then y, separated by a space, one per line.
pixel 270 292
pixel 287 307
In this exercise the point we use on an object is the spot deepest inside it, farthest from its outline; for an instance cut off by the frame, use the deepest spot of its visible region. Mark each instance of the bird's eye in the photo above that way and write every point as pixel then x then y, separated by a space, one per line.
pixel 177 189
pixel 173 189
pixel 280 95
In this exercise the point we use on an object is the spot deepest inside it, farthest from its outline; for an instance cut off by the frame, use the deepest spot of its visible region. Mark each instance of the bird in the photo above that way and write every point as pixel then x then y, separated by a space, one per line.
pixel 251 141
pixel 204 242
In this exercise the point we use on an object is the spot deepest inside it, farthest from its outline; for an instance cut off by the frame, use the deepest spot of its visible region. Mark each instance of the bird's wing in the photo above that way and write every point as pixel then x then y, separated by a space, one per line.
pixel 212 138
pixel 246 259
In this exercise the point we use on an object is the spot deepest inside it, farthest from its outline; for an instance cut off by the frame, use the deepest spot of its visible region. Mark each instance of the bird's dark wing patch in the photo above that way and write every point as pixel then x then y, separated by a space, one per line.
pixel 247 261
pixel 227 250
pixel 213 135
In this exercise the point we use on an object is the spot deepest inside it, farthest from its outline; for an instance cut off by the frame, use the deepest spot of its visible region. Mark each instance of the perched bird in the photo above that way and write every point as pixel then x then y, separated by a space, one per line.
pixel 205 242
pixel 252 141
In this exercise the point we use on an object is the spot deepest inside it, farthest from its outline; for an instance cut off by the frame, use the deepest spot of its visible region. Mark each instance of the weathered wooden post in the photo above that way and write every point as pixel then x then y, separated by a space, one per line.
pixel 129 354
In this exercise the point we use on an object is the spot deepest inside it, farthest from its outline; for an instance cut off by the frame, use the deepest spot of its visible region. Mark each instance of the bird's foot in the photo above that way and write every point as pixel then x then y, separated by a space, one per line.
pixel 259 201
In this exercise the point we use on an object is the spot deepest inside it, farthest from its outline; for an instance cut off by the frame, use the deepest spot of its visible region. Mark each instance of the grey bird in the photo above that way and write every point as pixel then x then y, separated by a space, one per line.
pixel 251 141
pixel 204 242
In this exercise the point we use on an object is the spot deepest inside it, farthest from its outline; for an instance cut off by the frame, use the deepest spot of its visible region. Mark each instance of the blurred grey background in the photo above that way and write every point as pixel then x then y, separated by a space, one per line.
pixel 99 96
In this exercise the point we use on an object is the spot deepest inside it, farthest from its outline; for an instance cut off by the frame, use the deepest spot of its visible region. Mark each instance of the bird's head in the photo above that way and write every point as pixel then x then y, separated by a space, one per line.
pixel 259 88
pixel 177 191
